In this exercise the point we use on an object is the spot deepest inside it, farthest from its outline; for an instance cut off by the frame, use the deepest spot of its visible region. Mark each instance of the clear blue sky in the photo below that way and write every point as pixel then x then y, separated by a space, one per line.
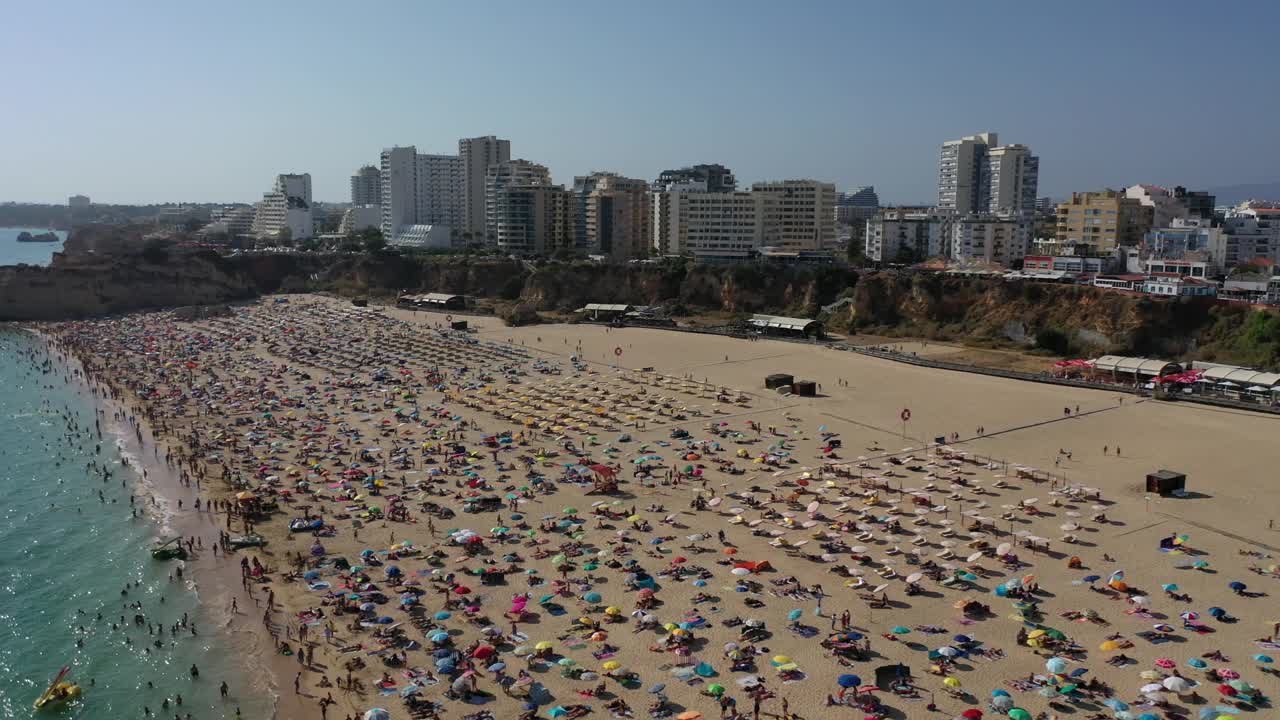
pixel 205 101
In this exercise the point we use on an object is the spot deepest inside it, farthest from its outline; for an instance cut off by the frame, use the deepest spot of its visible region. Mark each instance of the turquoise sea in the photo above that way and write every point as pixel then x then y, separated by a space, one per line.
pixel 74 558
pixel 13 252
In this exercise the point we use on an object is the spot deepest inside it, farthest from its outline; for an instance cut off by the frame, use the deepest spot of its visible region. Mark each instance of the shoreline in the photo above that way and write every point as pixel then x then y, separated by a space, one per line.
pixel 212 582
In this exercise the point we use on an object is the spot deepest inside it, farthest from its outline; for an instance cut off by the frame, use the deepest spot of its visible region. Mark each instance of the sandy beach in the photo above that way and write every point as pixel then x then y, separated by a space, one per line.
pixel 422 456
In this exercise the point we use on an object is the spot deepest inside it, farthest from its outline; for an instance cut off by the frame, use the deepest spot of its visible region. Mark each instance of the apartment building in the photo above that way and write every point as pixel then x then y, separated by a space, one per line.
pixel 907 235
pixel 366 186
pixel 990 239
pixel 665 224
pixel 419 190
pixel 477 155
pixel 797 214
pixel 1247 235
pixel 716 178
pixel 1010 181
pixel 286 209
pixel 713 226
pixel 978 175
pixel 501 176
pixel 1102 221
pixel 616 217
pixel 532 219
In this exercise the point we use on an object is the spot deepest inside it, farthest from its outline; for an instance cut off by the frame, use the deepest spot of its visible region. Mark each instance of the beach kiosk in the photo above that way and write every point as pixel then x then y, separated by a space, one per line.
pixel 1166 482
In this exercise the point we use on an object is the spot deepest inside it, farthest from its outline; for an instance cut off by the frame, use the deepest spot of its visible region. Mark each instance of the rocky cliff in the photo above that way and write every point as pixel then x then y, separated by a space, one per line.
pixel 108 273
pixel 1064 319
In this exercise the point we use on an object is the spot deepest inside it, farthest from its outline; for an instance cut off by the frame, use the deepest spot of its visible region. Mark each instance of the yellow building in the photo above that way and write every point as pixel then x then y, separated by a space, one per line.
pixel 1101 221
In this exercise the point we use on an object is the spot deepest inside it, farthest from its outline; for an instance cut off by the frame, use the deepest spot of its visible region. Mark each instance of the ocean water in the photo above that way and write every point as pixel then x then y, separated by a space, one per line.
pixel 70 545
pixel 13 252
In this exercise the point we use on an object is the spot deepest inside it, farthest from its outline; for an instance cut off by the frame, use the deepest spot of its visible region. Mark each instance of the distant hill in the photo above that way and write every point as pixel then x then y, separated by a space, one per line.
pixel 1235 194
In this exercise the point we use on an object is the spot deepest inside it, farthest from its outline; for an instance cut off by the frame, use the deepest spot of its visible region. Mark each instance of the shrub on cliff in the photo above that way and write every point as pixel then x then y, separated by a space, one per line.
pixel 517 314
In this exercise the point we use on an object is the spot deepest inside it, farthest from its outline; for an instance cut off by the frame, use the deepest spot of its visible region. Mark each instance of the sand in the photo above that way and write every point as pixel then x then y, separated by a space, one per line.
pixel 1224 454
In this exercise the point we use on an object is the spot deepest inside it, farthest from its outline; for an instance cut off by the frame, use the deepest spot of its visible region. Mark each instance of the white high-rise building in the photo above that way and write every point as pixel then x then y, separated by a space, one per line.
pixel 419 190
pixel 500 176
pixel 286 206
pixel 978 175
pixel 477 155
pixel 440 190
pixel 1010 182
pixel 399 189
pixel 366 186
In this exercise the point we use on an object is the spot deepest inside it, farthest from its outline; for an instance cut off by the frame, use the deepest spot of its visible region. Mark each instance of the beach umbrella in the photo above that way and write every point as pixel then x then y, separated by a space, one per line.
pixel 566 662
pixel 592 597
pixel 1151 688
pixel 900 630
pixel 716 690
pixel 611 665
pixel 1048 692
pixel 497 667
pixel 1197 663
pixel 557 712
pixel 1227 673
pixel 781 659
pixel 947 651
pixel 1019 714
pixel 1227 690
pixel 689 715
pixel 1056 665
pixel 657 689
pixel 1165 663
pixel 1001 703
pixel 1264 659
pixel 951 682
pixel 1091 578
pixel 377 714
pixel 1241 686
pixel 1176 684
pixel 962 639
pixel 1217 612
pixel 848 681
pixel 1116 705
pixel 443 615
pixel 795 614
pixel 1237 585
pixel 544 645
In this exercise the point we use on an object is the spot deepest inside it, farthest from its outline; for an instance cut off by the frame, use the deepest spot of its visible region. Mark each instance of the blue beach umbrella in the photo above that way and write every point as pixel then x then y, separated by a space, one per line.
pixel 848 681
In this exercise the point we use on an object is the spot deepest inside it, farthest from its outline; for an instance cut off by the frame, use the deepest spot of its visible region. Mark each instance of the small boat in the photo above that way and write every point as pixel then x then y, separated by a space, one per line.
pixel 58 692
pixel 244 541
pixel 170 549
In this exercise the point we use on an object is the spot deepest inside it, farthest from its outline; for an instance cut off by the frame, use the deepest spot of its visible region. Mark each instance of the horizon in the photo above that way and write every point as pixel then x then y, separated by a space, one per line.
pixel 771 92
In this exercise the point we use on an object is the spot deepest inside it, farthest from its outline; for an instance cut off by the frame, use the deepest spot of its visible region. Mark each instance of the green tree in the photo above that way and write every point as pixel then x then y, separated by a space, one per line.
pixel 1053 340
pixel 373 241
pixel 857 253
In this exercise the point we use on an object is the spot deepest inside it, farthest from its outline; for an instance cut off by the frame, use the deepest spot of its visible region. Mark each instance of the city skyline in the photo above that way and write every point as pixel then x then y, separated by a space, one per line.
pixel 849 94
